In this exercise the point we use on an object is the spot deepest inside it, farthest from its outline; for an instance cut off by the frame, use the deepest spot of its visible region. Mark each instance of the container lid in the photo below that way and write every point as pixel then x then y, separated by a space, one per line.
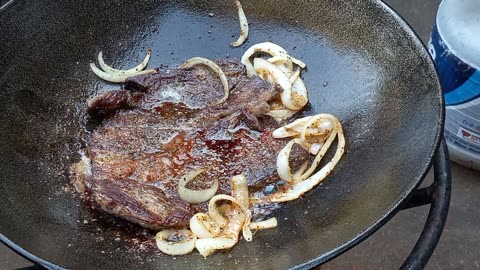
pixel 458 22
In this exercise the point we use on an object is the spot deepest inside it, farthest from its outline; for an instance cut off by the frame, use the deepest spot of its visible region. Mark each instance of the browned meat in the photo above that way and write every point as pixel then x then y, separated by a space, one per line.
pixel 166 128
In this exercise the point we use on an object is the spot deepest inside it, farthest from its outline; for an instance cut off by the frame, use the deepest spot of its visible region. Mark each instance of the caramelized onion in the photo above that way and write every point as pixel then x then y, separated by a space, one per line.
pixel 243 26
pixel 212 65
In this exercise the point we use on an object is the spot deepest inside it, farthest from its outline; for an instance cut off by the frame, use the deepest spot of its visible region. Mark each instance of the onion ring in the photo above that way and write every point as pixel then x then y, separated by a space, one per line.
pixel 212 65
pixel 243 26
pixel 181 247
pixel 195 196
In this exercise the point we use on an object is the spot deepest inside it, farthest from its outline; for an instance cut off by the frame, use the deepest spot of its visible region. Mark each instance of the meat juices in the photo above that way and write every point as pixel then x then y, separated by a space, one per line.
pixel 162 127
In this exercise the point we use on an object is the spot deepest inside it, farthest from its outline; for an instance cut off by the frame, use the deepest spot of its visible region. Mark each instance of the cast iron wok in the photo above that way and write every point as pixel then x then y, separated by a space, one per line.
pixel 365 65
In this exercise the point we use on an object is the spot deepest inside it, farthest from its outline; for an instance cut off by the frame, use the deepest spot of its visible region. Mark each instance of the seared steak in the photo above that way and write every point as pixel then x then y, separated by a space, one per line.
pixel 163 126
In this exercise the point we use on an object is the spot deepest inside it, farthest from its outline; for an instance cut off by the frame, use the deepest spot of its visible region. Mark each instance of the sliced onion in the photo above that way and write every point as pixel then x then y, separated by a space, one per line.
pixel 240 189
pixel 283 163
pixel 181 247
pixel 229 234
pixel 207 246
pixel 243 26
pixel 128 72
pixel 321 153
pixel 265 224
pixel 214 212
pixel 195 196
pixel 281 115
pixel 115 78
pixel 317 125
pixel 295 76
pixel 264 47
pixel 301 170
pixel 296 127
pixel 262 66
pixel 315 148
pixel 203 226
pixel 212 65
pixel 299 93
pixel 222 221
pixel 283 62
pixel 268 48
pixel 298 62
pixel 246 232
pixel 293 191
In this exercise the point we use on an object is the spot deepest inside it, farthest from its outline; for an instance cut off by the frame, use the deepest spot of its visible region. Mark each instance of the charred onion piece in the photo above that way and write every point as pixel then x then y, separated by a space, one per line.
pixel 209 63
pixel 243 26
pixel 175 242
pixel 195 196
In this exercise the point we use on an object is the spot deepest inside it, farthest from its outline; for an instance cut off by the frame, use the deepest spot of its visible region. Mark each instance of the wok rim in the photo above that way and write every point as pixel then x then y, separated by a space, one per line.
pixel 367 232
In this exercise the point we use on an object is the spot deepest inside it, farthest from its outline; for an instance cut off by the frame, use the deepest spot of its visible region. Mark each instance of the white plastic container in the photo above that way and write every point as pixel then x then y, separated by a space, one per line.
pixel 455 47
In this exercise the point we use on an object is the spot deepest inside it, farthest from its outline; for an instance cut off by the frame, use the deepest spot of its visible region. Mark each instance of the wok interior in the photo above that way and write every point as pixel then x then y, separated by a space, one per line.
pixel 364 66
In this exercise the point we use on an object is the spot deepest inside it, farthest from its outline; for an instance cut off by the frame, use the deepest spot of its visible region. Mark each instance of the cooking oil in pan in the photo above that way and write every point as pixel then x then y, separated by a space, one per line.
pixel 455 47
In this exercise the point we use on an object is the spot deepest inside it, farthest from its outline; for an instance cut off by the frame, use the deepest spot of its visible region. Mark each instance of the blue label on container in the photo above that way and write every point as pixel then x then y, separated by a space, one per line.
pixel 461 82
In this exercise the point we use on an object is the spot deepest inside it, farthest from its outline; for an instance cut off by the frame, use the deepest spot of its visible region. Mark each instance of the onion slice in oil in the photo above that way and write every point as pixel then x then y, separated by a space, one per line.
pixel 243 26
pixel 128 72
pixel 265 224
pixel 115 78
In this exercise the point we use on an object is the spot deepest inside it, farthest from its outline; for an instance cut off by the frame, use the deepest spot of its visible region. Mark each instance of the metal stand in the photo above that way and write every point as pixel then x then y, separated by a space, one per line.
pixel 438 195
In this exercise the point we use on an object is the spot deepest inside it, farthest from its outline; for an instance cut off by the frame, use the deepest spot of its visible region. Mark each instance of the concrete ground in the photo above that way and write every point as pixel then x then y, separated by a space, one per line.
pixel 459 247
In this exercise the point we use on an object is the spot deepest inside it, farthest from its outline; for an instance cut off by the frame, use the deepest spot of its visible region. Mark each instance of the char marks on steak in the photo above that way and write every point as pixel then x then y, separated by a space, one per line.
pixel 163 126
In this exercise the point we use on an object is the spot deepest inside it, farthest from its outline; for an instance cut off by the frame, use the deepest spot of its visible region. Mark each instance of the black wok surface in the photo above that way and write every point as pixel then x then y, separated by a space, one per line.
pixel 364 66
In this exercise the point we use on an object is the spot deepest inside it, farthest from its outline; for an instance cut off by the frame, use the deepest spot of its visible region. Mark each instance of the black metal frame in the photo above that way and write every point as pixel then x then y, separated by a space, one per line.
pixel 438 195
